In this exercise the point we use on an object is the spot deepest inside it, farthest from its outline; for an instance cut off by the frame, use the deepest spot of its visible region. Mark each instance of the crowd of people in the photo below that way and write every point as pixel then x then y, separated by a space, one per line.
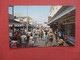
pixel 24 38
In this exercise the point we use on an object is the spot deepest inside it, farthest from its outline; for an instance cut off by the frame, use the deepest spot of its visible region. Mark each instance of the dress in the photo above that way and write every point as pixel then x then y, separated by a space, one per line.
pixel 46 39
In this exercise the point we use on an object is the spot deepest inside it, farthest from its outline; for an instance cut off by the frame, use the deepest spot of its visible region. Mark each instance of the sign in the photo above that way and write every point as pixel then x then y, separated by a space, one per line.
pixel 21 20
pixel 28 19
pixel 24 22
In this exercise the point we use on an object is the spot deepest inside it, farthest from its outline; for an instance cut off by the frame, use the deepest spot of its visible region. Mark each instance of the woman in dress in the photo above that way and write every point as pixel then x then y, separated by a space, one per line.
pixel 46 39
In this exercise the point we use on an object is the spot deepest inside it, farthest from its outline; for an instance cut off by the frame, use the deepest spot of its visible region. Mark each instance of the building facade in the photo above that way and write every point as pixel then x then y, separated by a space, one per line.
pixel 63 18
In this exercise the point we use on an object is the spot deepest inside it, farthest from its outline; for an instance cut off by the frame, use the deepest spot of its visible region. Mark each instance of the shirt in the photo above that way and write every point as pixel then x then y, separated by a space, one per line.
pixel 23 38
pixel 60 34
pixel 29 33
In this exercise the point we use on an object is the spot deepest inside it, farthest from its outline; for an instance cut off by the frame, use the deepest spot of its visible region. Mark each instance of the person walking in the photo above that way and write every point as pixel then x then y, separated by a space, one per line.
pixel 46 39
pixel 23 40
pixel 35 38
pixel 60 34
pixel 65 38
pixel 56 35
pixel 31 42
pixel 18 38
pixel 51 38
pixel 28 36
pixel 42 35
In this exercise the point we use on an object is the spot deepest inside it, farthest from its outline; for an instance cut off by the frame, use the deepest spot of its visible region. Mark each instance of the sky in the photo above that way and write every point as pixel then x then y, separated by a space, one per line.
pixel 37 13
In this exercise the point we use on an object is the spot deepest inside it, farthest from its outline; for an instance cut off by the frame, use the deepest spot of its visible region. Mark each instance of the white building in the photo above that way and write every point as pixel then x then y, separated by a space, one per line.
pixel 54 10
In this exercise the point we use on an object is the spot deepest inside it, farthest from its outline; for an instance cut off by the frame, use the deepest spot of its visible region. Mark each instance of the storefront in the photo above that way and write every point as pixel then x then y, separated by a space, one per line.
pixel 70 29
pixel 65 23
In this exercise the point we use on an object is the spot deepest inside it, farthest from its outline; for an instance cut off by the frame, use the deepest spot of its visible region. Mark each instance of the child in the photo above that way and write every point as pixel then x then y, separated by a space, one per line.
pixel 61 41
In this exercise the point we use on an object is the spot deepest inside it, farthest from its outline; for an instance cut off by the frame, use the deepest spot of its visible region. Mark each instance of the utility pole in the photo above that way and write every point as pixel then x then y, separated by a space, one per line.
pixel 27 19
pixel 12 17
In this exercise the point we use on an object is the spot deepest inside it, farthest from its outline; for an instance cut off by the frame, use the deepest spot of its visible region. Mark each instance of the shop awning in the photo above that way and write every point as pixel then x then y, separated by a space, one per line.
pixel 61 13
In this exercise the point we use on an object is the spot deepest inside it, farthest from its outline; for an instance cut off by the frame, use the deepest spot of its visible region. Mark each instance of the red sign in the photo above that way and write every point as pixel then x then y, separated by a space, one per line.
pixel 24 22
pixel 21 20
